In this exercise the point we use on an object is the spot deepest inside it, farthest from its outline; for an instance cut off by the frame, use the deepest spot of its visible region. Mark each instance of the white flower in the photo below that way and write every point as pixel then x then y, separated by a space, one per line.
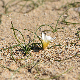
pixel 46 40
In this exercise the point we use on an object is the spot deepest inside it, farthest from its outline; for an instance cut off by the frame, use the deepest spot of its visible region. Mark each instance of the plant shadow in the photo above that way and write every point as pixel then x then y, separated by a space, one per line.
pixel 34 46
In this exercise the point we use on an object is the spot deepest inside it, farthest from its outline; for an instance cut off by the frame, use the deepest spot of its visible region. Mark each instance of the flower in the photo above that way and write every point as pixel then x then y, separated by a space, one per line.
pixel 46 40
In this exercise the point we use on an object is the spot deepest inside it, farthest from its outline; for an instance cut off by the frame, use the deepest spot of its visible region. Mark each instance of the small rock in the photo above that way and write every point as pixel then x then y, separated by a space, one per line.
pixel 77 9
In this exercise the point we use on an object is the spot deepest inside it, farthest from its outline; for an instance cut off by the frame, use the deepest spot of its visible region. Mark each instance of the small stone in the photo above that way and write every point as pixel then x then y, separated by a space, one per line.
pixel 77 9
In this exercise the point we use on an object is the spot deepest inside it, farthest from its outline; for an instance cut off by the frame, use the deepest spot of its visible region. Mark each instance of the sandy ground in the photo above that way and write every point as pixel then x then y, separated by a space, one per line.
pixel 56 63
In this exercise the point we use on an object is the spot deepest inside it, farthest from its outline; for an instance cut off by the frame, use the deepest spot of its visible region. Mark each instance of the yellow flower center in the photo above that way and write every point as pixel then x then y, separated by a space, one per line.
pixel 45 44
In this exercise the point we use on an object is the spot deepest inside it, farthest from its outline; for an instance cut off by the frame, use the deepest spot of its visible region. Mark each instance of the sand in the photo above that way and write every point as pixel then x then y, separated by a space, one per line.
pixel 54 63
